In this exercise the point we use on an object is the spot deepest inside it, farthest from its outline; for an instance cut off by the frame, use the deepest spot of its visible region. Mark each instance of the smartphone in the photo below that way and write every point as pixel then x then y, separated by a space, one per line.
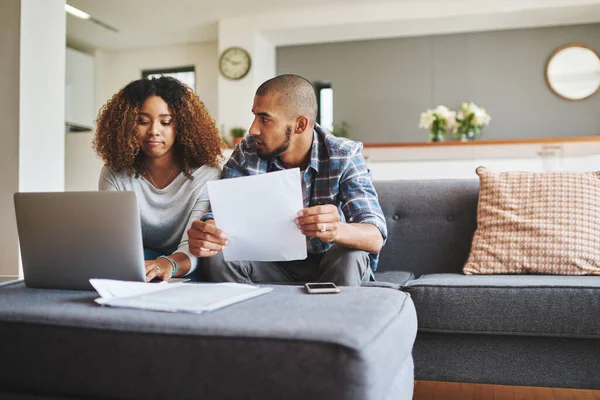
pixel 322 287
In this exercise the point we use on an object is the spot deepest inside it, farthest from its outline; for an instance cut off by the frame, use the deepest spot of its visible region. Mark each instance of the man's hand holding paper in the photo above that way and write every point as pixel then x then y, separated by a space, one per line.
pixel 319 221
pixel 205 239
pixel 257 213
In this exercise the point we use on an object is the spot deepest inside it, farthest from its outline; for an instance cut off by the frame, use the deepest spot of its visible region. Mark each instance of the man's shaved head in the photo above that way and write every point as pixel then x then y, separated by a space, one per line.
pixel 296 95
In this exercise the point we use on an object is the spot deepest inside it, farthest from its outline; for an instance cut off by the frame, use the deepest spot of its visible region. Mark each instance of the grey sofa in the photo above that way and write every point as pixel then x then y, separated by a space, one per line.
pixel 503 329
pixel 286 344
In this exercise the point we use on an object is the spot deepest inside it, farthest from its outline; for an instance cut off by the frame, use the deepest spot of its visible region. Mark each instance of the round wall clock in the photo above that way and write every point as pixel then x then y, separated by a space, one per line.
pixel 234 63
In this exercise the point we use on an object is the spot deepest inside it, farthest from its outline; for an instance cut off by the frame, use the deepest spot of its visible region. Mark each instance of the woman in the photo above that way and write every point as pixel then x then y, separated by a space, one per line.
pixel 157 139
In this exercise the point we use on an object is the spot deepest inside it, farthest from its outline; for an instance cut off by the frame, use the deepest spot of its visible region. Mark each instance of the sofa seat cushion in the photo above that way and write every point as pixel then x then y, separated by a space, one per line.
pixel 530 305
pixel 391 279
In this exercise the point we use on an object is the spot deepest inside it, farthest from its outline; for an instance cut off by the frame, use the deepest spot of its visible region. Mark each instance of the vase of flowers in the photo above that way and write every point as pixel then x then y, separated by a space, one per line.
pixel 470 119
pixel 438 121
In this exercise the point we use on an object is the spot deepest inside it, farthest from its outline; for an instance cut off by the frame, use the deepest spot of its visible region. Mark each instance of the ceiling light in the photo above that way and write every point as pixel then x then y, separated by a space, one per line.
pixel 83 15
pixel 76 12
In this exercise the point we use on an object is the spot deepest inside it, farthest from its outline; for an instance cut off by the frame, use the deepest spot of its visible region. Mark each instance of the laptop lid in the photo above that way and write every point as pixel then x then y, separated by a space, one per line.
pixel 66 238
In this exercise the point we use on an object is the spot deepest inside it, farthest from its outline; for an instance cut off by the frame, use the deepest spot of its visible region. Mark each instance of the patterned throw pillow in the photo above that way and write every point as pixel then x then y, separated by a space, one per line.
pixel 537 223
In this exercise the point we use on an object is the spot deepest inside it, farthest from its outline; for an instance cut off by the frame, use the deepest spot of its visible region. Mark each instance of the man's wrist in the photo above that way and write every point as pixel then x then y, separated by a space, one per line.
pixel 340 229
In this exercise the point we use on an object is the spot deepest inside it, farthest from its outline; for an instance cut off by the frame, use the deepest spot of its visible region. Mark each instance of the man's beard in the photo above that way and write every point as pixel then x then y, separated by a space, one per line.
pixel 279 150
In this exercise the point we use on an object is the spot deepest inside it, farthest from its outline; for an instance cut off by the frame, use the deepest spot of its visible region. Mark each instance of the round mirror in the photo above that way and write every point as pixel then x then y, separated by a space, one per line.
pixel 573 72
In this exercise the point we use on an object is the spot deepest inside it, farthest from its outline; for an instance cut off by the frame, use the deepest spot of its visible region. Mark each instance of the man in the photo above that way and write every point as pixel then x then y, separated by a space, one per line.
pixel 342 219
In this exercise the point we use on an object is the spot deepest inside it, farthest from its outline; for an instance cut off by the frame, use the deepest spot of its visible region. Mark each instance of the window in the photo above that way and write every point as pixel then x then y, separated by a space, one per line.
pixel 325 104
pixel 186 75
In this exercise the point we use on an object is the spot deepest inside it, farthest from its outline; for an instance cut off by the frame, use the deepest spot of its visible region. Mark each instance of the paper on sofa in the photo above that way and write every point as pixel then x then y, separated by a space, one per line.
pixel 173 297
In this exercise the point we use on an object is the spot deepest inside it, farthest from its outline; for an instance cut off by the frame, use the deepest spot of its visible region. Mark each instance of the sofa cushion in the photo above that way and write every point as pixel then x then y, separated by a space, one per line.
pixel 430 224
pixel 390 279
pixel 539 223
pixel 530 305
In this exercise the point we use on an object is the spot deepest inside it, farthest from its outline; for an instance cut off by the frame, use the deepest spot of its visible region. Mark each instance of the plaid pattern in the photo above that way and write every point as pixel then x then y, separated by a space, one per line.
pixel 337 174
pixel 537 223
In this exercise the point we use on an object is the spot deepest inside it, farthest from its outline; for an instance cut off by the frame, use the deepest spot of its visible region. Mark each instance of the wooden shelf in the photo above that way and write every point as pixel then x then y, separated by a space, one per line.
pixel 574 139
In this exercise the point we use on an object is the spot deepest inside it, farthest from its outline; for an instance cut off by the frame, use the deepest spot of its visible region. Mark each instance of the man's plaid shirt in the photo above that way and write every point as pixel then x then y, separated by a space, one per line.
pixel 337 174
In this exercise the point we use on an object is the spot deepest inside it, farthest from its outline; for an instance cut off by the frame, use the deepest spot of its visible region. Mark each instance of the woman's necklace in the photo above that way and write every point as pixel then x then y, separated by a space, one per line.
pixel 152 180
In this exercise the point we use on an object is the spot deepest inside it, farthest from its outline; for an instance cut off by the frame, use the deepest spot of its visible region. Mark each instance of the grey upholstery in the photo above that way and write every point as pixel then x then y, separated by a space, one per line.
pixel 430 224
pixel 514 330
pixel 508 360
pixel 528 305
pixel 391 279
pixel 286 344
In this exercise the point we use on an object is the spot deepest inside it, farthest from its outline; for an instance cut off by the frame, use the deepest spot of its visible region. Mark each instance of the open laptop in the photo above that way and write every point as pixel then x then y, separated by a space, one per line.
pixel 67 238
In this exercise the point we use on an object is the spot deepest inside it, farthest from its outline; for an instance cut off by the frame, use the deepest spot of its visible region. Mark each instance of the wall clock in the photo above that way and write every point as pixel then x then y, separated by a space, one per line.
pixel 234 63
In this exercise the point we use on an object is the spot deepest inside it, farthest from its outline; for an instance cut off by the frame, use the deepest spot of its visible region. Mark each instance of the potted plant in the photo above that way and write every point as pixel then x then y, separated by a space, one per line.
pixel 341 129
pixel 237 134
pixel 224 142
pixel 438 121
pixel 470 120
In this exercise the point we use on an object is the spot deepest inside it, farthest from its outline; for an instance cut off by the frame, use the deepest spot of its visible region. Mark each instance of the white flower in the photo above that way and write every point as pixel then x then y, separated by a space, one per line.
pixel 427 119
pixel 440 113
pixel 451 120
pixel 454 127
pixel 479 117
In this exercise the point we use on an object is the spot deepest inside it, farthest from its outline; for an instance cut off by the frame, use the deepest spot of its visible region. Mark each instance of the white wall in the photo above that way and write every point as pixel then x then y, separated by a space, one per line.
pixel 42 99
pixel 32 79
pixel 115 69
pixel 236 96
pixel 465 169
pixel 9 151
pixel 82 165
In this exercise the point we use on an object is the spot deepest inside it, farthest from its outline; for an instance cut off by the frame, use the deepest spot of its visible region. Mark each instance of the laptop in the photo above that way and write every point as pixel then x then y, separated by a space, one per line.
pixel 66 238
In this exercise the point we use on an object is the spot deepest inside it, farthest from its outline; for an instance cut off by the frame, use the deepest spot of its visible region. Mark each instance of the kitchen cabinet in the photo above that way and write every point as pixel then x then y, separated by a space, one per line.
pixel 79 91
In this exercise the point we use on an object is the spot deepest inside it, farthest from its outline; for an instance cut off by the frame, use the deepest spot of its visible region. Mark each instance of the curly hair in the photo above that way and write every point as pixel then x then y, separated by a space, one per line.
pixel 197 139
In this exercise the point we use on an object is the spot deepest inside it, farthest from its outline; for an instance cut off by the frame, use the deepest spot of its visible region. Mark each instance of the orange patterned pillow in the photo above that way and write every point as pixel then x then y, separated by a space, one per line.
pixel 537 223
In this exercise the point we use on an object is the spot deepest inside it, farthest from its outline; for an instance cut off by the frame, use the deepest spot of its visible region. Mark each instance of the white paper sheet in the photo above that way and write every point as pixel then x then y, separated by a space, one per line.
pixel 257 214
pixel 173 297
pixel 110 288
